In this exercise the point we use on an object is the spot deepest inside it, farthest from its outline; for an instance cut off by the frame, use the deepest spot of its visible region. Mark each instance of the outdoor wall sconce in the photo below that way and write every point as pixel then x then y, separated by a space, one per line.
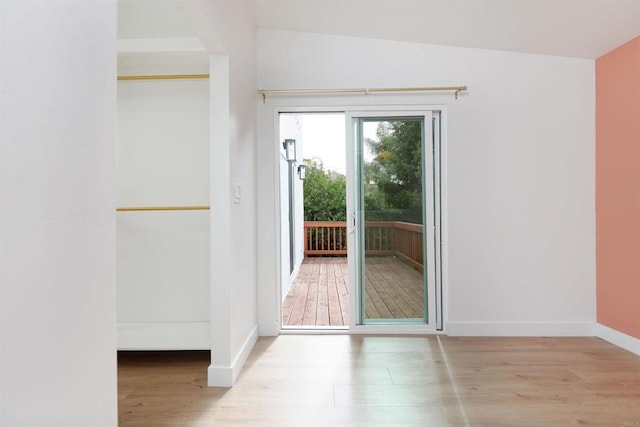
pixel 302 172
pixel 290 150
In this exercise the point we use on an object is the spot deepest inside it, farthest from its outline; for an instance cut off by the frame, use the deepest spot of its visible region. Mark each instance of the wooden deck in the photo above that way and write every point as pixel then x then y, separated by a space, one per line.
pixel 394 290
pixel 319 295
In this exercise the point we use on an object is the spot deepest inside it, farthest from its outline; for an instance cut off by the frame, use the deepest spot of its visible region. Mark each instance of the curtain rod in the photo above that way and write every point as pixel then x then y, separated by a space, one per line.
pixel 162 208
pixel 165 77
pixel 455 89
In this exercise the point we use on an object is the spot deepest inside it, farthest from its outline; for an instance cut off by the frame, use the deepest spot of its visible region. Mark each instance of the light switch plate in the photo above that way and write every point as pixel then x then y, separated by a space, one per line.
pixel 236 192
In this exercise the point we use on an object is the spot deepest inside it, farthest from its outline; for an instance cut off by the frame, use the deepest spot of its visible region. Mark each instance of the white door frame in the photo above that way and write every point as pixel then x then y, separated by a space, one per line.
pixel 269 244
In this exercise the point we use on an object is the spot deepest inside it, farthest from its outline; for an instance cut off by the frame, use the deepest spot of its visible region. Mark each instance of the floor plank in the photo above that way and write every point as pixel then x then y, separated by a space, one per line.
pixel 343 380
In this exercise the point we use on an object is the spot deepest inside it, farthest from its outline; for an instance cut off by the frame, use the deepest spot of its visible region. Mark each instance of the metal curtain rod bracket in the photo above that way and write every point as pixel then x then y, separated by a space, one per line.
pixel 165 77
pixel 264 92
pixel 162 208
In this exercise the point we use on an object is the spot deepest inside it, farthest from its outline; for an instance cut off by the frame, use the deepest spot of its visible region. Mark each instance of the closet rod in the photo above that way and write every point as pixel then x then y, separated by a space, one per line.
pixel 162 208
pixel 365 91
pixel 165 77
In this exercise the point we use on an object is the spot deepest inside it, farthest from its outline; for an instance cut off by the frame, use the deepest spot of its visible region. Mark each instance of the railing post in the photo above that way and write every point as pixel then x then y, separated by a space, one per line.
pixel 306 239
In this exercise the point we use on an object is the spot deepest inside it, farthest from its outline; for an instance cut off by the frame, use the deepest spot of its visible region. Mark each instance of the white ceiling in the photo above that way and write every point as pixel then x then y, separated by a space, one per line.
pixel 576 28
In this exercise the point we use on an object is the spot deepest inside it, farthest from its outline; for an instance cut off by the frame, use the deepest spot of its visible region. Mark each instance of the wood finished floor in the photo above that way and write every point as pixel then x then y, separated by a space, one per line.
pixel 319 294
pixel 341 380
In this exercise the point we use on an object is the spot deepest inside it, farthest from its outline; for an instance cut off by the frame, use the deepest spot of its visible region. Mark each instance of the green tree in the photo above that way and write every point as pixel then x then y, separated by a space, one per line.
pixel 325 194
pixel 393 179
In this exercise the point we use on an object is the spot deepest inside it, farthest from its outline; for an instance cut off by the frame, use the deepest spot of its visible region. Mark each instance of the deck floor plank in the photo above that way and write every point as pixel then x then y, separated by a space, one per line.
pixel 333 299
pixel 341 273
pixel 311 306
pixel 322 306
pixel 385 286
pixel 298 292
pixel 398 288
pixel 319 295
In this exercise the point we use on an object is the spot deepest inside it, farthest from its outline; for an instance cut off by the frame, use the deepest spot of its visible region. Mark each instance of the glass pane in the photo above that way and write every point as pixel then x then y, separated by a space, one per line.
pixel 392 201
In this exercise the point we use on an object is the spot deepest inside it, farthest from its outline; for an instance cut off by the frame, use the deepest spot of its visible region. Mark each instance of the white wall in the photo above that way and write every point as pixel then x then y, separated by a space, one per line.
pixel 290 128
pixel 152 19
pixel 285 268
pixel 234 327
pixel 163 258
pixel 239 35
pixel 299 204
pixel 226 30
pixel 57 197
pixel 520 218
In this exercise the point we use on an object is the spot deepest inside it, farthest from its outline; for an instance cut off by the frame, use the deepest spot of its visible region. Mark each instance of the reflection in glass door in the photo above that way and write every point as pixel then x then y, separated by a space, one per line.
pixel 393 213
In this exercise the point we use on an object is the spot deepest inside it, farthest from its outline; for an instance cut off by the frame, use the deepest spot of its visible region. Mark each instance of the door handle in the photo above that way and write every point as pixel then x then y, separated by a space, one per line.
pixel 352 220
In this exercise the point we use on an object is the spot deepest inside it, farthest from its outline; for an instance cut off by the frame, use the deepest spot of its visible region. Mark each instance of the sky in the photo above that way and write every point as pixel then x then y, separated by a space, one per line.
pixel 323 137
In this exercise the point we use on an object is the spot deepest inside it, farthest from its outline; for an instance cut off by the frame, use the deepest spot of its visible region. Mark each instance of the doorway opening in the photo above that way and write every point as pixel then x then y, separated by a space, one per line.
pixel 360 220
pixel 314 292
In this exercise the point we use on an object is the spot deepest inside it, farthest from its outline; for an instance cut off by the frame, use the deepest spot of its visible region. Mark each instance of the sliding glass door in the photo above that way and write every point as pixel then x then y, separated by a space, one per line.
pixel 392 217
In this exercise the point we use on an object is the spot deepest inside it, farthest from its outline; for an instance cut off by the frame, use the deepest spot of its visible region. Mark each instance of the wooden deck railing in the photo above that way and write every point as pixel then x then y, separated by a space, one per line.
pixel 407 242
pixel 398 238
pixel 325 238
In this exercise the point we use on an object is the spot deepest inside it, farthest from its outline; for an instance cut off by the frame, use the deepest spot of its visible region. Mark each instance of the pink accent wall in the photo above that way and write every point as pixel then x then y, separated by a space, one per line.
pixel 618 188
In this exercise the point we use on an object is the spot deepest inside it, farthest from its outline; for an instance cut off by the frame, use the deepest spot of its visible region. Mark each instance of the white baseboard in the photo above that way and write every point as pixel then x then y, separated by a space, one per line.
pixel 618 338
pixel 164 336
pixel 225 376
pixel 520 329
